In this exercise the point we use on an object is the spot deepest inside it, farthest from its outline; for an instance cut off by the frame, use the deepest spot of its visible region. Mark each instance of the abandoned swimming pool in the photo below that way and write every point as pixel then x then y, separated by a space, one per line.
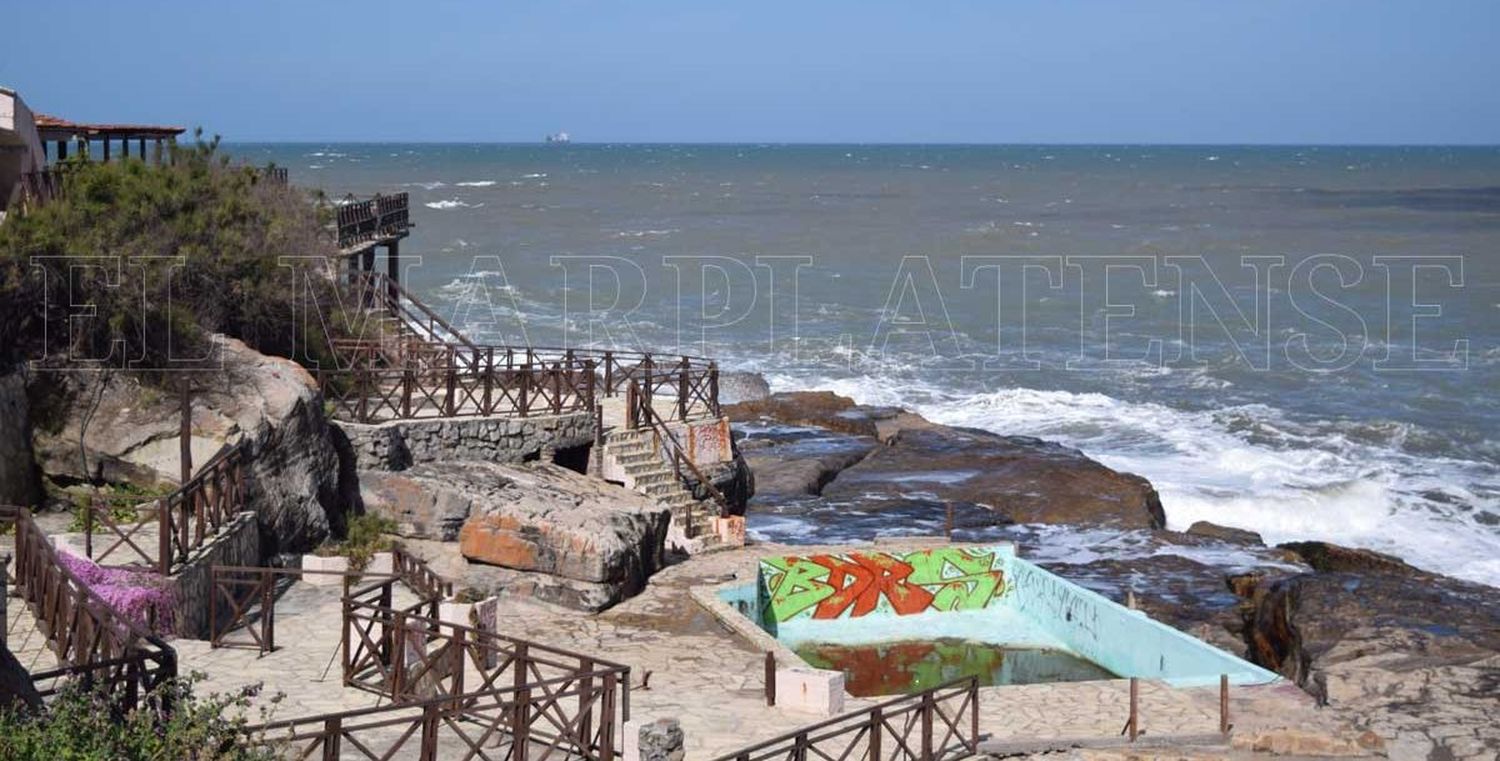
pixel 893 621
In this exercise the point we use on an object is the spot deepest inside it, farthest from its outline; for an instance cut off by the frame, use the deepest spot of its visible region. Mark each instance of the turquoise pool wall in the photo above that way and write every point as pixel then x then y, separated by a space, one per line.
pixel 985 594
pixel 1125 641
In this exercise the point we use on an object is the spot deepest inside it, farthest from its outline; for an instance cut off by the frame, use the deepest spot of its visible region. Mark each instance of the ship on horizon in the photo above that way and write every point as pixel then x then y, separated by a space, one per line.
pixel 559 137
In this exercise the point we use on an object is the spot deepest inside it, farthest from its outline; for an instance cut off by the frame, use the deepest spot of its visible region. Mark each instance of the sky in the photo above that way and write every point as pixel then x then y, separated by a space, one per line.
pixel 1000 71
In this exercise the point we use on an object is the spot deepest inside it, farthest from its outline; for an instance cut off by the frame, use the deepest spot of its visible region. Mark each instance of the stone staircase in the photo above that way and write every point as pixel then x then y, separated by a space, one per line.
pixel 646 472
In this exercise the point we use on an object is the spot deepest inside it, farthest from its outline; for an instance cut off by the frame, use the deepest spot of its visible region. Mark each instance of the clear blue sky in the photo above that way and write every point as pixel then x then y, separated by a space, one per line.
pixel 1258 71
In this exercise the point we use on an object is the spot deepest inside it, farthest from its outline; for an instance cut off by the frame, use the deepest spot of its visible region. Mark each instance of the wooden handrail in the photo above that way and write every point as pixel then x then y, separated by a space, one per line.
pixel 83 630
pixel 870 725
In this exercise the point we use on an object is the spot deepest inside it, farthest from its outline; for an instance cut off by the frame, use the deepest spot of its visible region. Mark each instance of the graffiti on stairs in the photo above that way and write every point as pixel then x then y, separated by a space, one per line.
pixel 861 583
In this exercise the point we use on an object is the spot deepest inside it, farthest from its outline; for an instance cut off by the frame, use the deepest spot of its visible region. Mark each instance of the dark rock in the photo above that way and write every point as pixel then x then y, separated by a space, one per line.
pixel 1225 533
pixel 823 409
pixel 1323 556
pixel 16 687
pixel 19 484
pixel 1025 479
pixel 1293 621
pixel 800 461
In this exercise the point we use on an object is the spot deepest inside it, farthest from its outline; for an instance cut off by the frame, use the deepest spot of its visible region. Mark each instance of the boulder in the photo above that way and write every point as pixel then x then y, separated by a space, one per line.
pixel 537 530
pixel 271 404
pixel 736 387
pixel 18 478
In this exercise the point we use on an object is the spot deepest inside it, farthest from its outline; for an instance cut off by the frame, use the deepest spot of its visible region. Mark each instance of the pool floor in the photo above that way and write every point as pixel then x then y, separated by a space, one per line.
pixel 899 668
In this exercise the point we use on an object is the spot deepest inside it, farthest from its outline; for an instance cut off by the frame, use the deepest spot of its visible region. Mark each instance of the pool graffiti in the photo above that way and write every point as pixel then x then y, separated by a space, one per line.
pixel 861 583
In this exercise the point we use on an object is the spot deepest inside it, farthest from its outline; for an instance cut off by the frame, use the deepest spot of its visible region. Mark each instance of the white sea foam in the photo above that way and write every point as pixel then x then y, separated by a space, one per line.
pixel 476 184
pixel 1246 466
pixel 451 203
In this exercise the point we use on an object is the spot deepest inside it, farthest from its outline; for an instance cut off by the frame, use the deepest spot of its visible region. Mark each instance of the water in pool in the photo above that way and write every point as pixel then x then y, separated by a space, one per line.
pixel 897 668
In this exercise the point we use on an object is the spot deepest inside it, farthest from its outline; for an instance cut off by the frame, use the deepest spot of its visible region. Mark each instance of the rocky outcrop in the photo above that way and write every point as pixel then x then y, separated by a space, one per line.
pixel 401 444
pixel 272 404
pixel 897 454
pixel 1411 655
pixel 18 479
pixel 537 530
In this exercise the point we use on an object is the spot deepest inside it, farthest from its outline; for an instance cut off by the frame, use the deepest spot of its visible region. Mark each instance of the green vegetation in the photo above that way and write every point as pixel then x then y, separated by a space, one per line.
pixel 204 247
pixel 82 726
pixel 366 535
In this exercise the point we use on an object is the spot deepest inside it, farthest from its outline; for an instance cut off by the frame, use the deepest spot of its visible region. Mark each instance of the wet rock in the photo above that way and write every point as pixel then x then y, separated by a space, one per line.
pixel 823 409
pixel 1027 480
pixel 1225 533
pixel 790 461
pixel 1323 556
pixel 737 387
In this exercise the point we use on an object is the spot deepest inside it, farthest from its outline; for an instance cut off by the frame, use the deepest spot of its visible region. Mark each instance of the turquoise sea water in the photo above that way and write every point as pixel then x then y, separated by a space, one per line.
pixel 1324 414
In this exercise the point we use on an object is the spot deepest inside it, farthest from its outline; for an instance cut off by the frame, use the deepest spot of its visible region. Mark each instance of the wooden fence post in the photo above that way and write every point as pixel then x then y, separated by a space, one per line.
pixel 267 610
pixel 1134 708
pixel 1224 704
pixel 877 729
pixel 682 389
pixel 607 719
pixel 926 713
pixel 333 734
pixel 770 678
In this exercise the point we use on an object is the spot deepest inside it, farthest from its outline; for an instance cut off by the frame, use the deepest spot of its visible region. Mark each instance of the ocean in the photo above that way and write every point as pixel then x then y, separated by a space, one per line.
pixel 1338 380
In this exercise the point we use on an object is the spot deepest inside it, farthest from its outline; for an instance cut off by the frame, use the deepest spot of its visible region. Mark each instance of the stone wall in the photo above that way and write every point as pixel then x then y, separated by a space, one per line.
pixel 18 477
pixel 399 445
pixel 238 543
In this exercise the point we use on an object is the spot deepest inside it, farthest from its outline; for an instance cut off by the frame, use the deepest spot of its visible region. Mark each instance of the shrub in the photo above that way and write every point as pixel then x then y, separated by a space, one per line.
pixel 365 535
pixel 84 726
pixel 231 230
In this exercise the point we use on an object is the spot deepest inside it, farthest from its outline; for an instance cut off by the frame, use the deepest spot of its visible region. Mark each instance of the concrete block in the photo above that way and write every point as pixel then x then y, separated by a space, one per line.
pixel 382 563
pixel 319 563
pixel 731 530
pixel 810 690
pixel 658 740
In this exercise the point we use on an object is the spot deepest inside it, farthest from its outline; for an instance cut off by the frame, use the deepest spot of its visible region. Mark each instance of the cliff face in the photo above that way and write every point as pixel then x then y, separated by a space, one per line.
pixel 133 436
pixel 18 477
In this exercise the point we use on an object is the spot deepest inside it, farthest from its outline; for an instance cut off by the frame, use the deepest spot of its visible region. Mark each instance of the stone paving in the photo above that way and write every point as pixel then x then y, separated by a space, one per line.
pixel 687 665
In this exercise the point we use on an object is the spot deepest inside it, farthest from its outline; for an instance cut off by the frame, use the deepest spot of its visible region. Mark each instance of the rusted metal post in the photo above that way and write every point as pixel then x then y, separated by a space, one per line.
pixel 429 746
pixel 877 731
pixel 770 678
pixel 609 373
pixel 713 387
pixel 213 607
pixel 1223 704
pixel 948 523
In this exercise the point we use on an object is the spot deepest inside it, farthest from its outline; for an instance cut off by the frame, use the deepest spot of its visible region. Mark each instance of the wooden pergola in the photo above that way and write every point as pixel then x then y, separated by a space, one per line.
pixel 57 135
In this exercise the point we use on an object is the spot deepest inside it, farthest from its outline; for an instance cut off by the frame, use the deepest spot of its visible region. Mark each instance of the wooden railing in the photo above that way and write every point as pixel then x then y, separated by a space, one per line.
pixel 640 414
pixel 417 576
pixel 185 520
pixel 199 508
pixel 934 725
pixel 457 385
pixel 372 219
pixel 568 719
pixel 96 644
pixel 536 700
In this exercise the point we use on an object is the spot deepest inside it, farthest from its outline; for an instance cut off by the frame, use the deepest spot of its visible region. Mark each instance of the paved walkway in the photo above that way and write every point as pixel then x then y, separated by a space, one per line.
pixel 688 666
